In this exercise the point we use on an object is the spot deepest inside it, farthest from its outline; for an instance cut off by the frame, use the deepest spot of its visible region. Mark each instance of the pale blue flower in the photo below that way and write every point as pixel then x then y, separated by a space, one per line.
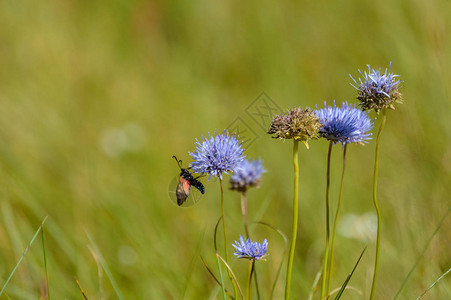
pixel 346 124
pixel 217 154
pixel 247 249
pixel 378 90
pixel 247 174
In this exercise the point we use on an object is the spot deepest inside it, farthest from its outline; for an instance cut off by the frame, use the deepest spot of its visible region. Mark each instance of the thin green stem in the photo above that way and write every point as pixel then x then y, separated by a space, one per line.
pixel 435 282
pixel 249 285
pixel 376 205
pixel 295 218
pixel 23 255
pixel 244 212
pixel 225 237
pixel 220 276
pixel 332 246
pixel 326 249
pixel 217 260
pixel 45 262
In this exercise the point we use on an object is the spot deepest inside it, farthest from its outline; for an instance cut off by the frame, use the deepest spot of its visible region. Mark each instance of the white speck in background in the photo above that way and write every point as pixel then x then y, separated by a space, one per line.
pixel 127 255
pixel 360 227
pixel 116 141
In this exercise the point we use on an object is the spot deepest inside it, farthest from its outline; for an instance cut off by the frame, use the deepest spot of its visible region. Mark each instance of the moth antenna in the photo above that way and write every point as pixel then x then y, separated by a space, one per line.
pixel 179 162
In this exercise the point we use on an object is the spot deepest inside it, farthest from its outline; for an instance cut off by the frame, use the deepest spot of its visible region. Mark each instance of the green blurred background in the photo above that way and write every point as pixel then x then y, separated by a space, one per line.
pixel 96 96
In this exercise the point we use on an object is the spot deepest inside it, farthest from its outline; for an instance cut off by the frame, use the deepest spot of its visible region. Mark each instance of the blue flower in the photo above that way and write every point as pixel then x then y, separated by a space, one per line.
pixel 246 174
pixel 217 154
pixel 377 90
pixel 345 124
pixel 247 249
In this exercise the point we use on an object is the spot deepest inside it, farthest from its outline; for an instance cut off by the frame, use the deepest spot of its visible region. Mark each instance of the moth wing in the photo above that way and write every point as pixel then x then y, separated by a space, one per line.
pixel 182 191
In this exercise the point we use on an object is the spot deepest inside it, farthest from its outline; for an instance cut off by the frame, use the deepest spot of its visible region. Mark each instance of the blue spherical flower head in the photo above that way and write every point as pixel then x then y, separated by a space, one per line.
pixel 217 154
pixel 247 249
pixel 378 90
pixel 345 124
pixel 246 174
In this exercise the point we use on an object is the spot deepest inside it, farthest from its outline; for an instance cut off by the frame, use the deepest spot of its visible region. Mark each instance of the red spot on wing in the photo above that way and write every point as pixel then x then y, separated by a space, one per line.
pixel 186 185
pixel 182 191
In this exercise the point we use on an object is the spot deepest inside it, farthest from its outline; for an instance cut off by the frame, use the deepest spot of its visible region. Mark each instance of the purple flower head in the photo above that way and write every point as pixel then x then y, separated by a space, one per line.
pixel 346 124
pixel 247 249
pixel 216 154
pixel 377 90
pixel 246 174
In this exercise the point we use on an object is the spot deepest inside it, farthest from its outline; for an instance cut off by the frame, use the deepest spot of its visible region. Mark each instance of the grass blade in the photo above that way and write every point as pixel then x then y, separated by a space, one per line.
pixel 422 254
pixel 231 272
pixel 217 260
pixel 340 292
pixel 315 284
pixel 435 282
pixel 81 290
pixel 45 262
pixel 214 277
pixel 105 267
pixel 23 255
pixel 280 232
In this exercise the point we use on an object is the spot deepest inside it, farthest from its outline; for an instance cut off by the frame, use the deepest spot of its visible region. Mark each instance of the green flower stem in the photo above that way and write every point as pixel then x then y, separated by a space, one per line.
pixel 246 229
pixel 326 249
pixel 225 237
pixel 249 285
pixel 376 205
pixel 244 212
pixel 295 218
pixel 332 247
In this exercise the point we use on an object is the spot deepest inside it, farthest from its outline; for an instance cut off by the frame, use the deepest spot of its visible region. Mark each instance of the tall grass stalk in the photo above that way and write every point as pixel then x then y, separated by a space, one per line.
pixel 435 282
pixel 295 218
pixel 376 205
pixel 225 237
pixel 326 249
pixel 334 230
pixel 23 255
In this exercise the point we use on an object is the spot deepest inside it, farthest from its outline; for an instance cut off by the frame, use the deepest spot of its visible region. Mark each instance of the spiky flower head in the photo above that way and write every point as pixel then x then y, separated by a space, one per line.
pixel 247 174
pixel 346 124
pixel 377 90
pixel 217 154
pixel 301 124
pixel 247 249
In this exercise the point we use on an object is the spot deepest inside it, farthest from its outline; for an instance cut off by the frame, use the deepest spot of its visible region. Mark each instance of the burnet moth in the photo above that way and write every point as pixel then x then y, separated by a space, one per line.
pixel 185 182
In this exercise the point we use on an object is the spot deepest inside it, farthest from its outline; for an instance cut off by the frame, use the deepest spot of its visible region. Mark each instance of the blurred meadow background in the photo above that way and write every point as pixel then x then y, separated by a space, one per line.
pixel 96 97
